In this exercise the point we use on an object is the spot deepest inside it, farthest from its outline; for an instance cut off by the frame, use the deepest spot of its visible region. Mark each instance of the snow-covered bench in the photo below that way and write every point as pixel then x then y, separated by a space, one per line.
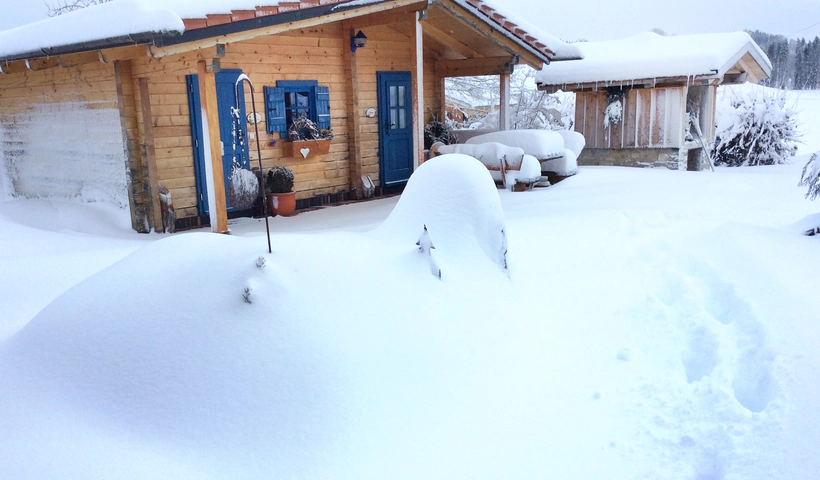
pixel 567 164
pixel 557 151
pixel 508 165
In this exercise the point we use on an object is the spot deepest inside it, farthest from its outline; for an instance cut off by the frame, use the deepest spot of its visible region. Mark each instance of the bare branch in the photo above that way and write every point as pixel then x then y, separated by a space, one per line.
pixel 65 6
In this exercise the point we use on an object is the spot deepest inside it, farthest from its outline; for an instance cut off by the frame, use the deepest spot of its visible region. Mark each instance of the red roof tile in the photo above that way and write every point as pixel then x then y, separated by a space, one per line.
pixel 481 7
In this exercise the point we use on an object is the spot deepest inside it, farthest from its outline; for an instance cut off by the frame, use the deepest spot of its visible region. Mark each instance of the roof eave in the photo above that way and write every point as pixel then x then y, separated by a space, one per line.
pixel 543 57
pixel 752 49
pixel 129 40
pixel 646 82
pixel 257 23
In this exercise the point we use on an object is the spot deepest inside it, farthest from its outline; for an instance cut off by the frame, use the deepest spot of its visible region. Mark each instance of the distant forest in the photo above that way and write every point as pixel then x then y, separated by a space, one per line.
pixel 795 63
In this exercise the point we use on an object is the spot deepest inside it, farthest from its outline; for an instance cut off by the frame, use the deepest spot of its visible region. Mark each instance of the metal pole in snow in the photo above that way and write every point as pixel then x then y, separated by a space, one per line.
pixel 258 148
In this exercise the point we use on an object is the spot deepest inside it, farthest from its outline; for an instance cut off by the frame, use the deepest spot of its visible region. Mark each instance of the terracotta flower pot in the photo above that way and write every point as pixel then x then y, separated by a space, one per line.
pixel 282 204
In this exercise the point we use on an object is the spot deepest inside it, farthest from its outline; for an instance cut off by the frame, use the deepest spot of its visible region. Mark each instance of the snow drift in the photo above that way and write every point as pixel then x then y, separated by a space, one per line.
pixel 455 196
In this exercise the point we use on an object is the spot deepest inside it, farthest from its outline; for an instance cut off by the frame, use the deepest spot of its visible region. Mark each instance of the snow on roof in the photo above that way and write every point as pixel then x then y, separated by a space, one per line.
pixel 649 55
pixel 556 49
pixel 120 18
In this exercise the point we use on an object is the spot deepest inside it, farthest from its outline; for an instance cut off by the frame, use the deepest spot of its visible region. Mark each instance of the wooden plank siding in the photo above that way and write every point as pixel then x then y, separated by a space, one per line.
pixel 652 118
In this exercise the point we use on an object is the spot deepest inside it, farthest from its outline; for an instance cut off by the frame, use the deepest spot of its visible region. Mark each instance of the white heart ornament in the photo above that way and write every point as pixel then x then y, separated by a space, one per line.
pixel 304 152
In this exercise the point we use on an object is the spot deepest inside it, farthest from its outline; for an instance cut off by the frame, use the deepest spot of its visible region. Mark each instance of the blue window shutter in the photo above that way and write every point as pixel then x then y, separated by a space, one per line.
pixel 322 107
pixel 275 110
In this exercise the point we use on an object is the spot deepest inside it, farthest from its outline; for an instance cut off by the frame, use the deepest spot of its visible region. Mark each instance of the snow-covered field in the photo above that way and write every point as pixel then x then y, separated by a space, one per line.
pixel 650 324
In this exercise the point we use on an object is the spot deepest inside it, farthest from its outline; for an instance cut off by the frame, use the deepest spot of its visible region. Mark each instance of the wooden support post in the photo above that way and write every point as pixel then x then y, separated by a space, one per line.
pixel 504 105
pixel 133 161
pixel 151 180
pixel 207 89
pixel 442 96
pixel 354 121
pixel 417 75
pixel 711 113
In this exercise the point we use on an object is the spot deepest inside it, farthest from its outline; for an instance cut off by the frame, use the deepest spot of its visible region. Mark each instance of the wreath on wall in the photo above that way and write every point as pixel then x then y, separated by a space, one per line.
pixel 304 128
pixel 614 112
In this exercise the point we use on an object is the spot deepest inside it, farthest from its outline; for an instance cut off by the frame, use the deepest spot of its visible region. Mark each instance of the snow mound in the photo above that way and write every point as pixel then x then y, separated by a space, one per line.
pixel 195 366
pixel 541 144
pixel 565 166
pixel 455 196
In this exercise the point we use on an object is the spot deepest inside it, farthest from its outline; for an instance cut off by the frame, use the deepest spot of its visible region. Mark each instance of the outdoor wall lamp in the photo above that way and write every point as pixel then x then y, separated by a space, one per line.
pixel 357 41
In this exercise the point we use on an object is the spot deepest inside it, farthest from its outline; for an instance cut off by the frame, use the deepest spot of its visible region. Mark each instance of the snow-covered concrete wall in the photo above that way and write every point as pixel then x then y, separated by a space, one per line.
pixel 65 149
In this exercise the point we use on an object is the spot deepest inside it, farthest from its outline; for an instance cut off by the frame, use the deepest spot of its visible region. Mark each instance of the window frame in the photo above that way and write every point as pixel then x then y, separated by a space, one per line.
pixel 277 111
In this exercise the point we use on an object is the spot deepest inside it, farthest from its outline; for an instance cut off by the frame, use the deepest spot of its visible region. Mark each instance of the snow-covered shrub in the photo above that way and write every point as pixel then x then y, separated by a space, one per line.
pixel 754 127
pixel 279 180
pixel 811 176
pixel 436 131
pixel 529 107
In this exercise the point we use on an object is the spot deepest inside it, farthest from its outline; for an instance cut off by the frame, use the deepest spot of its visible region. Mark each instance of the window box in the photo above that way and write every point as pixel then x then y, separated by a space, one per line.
pixel 305 148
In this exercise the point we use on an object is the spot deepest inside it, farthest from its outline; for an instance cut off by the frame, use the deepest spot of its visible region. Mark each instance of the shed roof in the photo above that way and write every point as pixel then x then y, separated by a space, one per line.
pixel 649 56
pixel 133 22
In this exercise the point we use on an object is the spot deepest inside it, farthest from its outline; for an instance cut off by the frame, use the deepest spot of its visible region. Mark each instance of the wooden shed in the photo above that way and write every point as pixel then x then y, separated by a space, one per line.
pixel 98 107
pixel 635 97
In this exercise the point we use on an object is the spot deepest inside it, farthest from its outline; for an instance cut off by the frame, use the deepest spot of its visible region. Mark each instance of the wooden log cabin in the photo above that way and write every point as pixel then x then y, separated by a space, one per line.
pixel 635 97
pixel 107 110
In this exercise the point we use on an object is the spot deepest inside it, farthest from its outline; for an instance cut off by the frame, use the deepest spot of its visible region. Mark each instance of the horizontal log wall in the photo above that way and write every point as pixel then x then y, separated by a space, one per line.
pixel 311 54
pixel 651 118
pixel 55 96
pixel 62 135
pixel 387 50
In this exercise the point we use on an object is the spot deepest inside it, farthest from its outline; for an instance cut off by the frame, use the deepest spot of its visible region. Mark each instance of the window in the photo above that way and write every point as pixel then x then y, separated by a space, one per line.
pixel 290 99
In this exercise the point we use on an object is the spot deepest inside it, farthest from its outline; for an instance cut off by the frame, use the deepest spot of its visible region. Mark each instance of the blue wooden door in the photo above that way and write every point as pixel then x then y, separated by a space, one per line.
pixel 395 127
pixel 233 130
pixel 198 143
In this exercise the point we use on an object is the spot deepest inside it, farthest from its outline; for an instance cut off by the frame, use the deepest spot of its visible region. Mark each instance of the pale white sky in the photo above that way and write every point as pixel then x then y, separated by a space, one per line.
pixel 604 19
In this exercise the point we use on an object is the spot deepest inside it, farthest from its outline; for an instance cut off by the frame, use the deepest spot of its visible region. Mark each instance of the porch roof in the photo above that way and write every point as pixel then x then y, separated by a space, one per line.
pixel 655 59
pixel 168 22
